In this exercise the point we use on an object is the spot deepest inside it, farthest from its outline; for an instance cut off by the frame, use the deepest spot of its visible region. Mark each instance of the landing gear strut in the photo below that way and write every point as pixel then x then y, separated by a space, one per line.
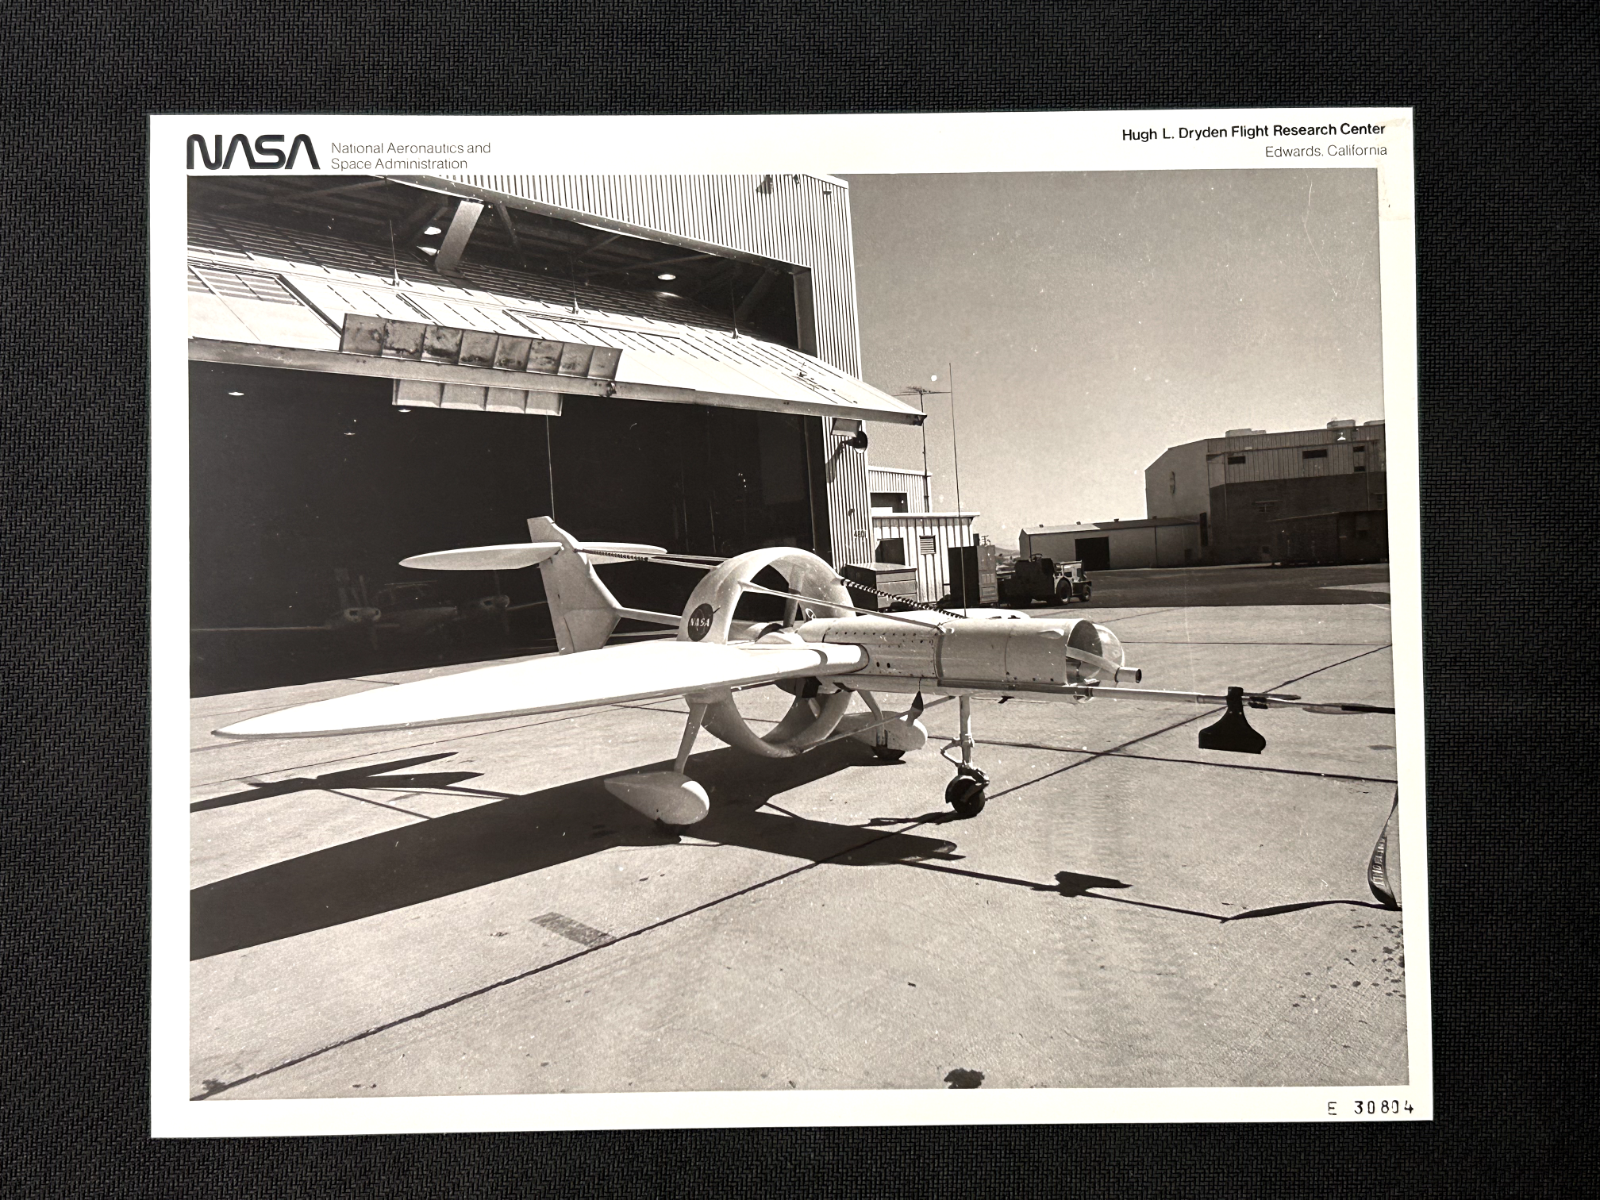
pixel 967 792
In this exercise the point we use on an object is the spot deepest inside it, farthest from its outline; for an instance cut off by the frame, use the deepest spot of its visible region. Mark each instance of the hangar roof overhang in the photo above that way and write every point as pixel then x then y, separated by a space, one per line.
pixel 484 337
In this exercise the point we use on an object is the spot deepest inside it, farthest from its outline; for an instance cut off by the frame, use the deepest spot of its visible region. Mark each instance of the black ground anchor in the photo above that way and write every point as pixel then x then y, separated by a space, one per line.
pixel 1233 732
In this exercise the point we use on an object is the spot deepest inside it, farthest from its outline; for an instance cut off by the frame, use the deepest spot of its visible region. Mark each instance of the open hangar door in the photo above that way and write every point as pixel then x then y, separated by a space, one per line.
pixel 307 489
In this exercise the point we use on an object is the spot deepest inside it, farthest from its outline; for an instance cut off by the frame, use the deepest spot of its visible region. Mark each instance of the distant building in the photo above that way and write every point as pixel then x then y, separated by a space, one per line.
pixel 1310 495
pixel 905 531
pixel 1117 545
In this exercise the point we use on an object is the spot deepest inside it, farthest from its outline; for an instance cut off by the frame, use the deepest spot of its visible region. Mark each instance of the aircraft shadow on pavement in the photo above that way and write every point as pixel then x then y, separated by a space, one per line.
pixel 519 835
pixel 371 776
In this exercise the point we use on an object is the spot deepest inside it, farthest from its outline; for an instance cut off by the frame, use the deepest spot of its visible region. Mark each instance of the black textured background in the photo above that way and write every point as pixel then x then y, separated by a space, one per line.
pixel 1506 238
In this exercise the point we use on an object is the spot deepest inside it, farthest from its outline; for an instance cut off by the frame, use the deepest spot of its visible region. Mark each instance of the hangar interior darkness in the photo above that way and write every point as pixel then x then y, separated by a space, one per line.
pixel 308 488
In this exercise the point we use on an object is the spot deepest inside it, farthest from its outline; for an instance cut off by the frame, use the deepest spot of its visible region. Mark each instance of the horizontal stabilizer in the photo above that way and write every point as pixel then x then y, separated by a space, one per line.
pixel 484 558
pixel 516 555
pixel 551 683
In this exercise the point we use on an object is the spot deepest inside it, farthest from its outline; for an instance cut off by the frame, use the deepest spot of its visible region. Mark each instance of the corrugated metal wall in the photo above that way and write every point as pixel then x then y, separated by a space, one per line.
pixel 899 479
pixel 944 530
pixel 799 220
pixel 849 505
pixel 1336 458
pixel 1131 548
pixel 802 220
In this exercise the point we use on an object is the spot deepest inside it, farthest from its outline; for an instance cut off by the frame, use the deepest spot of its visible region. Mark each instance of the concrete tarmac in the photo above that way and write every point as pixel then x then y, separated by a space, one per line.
pixel 466 910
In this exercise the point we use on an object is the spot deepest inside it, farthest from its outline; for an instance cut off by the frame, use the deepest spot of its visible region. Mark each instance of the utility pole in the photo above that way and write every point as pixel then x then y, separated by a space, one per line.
pixel 922 395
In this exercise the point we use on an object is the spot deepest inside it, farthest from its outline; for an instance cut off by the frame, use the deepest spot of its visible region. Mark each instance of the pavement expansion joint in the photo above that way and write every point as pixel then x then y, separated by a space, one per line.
pixel 214 1087
pixel 1191 762
pixel 379 804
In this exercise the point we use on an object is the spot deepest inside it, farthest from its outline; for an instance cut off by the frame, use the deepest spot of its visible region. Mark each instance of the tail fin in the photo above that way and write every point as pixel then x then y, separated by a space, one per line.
pixel 582 609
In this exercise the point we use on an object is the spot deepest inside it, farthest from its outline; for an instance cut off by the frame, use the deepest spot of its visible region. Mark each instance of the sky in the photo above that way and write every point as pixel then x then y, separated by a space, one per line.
pixel 1092 320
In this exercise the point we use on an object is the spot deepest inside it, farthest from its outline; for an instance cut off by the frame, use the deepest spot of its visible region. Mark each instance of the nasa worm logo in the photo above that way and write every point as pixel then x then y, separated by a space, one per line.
pixel 266 155
pixel 700 622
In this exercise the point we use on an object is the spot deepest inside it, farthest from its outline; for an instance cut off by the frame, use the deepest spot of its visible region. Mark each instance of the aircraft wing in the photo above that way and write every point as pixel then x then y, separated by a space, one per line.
pixel 610 675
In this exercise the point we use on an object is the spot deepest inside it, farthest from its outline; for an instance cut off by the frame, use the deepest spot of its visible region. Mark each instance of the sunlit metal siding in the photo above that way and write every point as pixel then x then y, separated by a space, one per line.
pixel 802 220
pixel 1286 459
pixel 849 505
pixel 945 530
pixel 901 479
pixel 795 220
pixel 1289 463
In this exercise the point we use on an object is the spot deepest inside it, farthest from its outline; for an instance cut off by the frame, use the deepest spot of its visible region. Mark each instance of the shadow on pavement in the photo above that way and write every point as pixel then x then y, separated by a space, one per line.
pixel 522 834
pixel 1090 887
pixel 372 777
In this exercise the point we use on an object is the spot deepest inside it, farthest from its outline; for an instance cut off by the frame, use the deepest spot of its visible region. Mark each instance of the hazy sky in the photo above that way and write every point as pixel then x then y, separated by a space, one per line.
pixel 1095 319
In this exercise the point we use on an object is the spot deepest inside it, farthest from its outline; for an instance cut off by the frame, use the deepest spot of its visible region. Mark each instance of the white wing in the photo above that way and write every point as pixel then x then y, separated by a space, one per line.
pixel 609 675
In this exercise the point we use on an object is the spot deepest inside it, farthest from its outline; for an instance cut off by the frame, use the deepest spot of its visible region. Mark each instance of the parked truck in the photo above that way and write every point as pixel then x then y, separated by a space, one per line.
pixel 1025 580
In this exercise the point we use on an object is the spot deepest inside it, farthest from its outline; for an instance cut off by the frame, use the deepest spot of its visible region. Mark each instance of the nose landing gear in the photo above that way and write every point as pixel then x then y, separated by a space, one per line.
pixel 967 792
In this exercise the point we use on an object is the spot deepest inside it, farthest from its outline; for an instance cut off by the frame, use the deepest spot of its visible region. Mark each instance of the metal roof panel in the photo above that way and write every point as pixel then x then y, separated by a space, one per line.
pixel 326 282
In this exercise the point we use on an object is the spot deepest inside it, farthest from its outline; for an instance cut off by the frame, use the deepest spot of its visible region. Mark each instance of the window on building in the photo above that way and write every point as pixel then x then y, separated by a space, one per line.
pixel 1360 466
pixel 891 550
pixel 893 501
pixel 927 545
pixel 1236 460
pixel 1323 453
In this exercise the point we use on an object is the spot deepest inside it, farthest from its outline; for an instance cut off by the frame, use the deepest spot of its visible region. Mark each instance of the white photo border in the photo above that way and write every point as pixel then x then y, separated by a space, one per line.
pixel 831 144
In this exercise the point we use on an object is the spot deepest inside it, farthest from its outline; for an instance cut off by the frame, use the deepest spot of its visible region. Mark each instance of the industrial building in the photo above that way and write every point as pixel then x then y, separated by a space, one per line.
pixel 1305 496
pixel 386 366
pixel 1117 545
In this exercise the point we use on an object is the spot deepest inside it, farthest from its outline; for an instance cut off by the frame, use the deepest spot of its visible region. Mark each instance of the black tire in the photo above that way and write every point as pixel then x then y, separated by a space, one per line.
pixel 887 754
pixel 966 795
pixel 1086 593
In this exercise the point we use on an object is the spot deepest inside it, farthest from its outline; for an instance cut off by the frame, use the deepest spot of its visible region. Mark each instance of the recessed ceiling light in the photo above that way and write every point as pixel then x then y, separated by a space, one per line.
pixel 235 393
pixel 432 231
pixel 667 276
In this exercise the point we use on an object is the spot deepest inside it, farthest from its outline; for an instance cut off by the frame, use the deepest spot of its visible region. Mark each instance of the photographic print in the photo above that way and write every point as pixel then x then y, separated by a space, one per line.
pixel 678 628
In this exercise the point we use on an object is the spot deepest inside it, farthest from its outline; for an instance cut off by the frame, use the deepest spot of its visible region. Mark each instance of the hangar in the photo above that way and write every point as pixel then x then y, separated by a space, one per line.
pixel 386 366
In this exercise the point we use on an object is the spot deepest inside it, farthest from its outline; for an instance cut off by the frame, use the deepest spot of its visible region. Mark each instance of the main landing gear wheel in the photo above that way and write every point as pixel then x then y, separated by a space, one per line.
pixel 966 794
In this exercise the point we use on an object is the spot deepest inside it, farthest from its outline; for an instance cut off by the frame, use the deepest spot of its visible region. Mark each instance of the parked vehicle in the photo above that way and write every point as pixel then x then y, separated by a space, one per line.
pixel 1025 580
